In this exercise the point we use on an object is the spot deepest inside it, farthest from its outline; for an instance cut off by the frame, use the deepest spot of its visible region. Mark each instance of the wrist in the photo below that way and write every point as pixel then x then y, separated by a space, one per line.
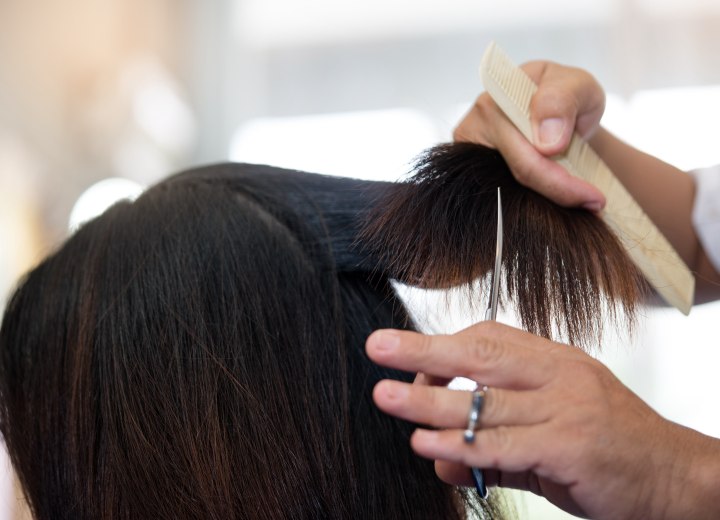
pixel 598 141
pixel 693 487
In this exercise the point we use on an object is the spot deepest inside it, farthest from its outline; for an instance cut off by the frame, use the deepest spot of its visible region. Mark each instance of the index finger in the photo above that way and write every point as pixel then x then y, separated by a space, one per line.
pixel 476 354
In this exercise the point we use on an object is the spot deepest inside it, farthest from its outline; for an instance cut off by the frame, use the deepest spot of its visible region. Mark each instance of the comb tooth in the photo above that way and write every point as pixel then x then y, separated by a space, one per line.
pixel 517 87
pixel 523 89
pixel 525 95
pixel 512 90
pixel 515 91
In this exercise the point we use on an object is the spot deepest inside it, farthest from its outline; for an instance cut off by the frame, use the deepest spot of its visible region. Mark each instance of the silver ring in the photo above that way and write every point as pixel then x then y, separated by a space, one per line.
pixel 478 397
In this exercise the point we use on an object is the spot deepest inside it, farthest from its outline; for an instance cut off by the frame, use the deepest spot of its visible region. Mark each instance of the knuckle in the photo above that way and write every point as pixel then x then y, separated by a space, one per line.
pixel 478 124
pixel 587 392
pixel 535 164
pixel 522 174
pixel 591 371
pixel 492 407
pixel 424 348
pixel 487 351
pixel 483 103
pixel 585 77
pixel 458 134
pixel 484 348
pixel 535 69
pixel 553 100
pixel 487 111
pixel 529 168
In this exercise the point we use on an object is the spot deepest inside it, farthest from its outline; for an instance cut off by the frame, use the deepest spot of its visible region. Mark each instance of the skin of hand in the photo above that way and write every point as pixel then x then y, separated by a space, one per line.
pixel 555 421
pixel 567 99
pixel 570 99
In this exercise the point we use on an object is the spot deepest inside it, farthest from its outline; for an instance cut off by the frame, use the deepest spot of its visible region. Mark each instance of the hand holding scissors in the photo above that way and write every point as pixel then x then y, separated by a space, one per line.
pixel 554 421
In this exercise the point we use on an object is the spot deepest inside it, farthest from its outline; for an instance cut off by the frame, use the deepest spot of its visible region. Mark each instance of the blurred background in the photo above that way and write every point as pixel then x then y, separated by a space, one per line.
pixel 99 98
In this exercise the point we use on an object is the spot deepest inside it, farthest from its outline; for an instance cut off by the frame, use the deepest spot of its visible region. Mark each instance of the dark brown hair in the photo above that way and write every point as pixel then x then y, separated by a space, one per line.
pixel 199 353
pixel 564 271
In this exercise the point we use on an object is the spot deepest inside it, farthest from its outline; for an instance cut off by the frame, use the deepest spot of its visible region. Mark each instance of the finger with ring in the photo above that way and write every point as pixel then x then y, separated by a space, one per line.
pixel 478 399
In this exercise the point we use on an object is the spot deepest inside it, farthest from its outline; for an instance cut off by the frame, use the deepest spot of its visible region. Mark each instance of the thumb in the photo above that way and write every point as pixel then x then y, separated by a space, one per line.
pixel 567 100
pixel 553 114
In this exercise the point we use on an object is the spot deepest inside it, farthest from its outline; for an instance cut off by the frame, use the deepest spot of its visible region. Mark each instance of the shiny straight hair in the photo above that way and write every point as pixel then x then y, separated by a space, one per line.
pixel 564 271
pixel 199 352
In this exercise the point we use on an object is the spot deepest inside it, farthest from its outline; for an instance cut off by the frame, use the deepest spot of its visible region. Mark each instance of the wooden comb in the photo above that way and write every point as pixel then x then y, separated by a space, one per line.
pixel 512 90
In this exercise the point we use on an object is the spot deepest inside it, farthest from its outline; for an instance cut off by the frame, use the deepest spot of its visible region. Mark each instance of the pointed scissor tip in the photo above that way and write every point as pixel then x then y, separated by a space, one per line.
pixel 499 238
pixel 491 312
pixel 499 200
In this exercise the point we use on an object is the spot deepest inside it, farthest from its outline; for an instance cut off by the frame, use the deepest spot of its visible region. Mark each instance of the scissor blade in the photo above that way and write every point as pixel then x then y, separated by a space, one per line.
pixel 491 313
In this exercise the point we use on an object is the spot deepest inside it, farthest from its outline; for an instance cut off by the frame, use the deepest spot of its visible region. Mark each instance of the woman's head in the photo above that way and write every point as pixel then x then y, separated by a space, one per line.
pixel 198 354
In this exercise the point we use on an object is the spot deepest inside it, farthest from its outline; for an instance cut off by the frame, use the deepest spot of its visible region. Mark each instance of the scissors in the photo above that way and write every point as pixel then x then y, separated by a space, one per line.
pixel 490 314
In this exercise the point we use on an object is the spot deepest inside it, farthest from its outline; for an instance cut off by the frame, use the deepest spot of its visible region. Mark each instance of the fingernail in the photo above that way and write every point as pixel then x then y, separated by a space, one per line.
pixel 395 390
pixel 551 131
pixel 426 436
pixel 386 340
pixel 593 206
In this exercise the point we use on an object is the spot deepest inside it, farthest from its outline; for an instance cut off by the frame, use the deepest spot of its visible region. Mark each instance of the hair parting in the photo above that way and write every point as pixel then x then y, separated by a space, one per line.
pixel 199 353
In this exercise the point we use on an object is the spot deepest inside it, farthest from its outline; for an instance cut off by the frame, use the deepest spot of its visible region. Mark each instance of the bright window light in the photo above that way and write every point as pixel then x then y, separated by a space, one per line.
pixel 272 23
pixel 99 197
pixel 375 145
pixel 678 125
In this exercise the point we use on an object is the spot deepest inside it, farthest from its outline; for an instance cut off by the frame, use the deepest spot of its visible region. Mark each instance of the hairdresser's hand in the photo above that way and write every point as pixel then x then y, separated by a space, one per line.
pixel 567 99
pixel 555 422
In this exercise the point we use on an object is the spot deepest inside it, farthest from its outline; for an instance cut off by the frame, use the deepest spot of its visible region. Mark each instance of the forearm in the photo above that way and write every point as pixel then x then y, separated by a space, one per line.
pixel 667 195
pixel 693 488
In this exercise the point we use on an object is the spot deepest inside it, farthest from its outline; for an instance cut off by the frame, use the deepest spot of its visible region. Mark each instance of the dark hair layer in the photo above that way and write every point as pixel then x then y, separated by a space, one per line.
pixel 197 354
pixel 564 270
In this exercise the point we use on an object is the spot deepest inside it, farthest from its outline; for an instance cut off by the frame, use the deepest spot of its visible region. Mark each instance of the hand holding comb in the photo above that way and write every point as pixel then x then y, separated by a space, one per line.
pixel 512 90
